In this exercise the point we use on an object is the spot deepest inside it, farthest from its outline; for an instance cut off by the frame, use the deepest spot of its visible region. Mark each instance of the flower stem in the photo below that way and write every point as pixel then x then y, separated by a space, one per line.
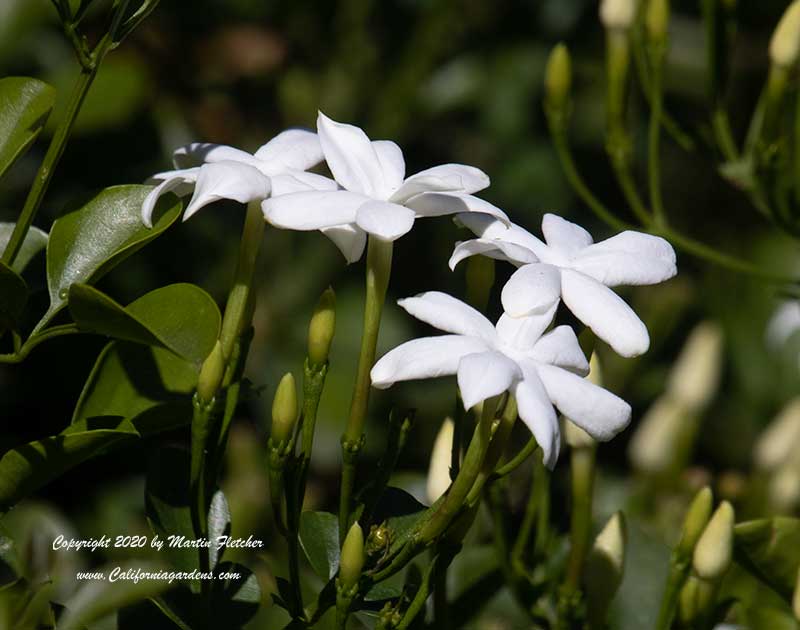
pixel 654 137
pixel 582 467
pixel 379 267
pixel 678 572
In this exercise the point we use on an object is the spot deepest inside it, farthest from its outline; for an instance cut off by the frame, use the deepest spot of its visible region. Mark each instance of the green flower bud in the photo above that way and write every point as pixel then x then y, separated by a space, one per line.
pixel 657 20
pixel 694 524
pixel 441 458
pixel 785 44
pixel 211 374
pixel 352 557
pixel 714 550
pixel 696 596
pixel 284 410
pixel 695 377
pixel 321 328
pixel 617 14
pixel 604 569
pixel 558 78
pixel 656 444
pixel 776 444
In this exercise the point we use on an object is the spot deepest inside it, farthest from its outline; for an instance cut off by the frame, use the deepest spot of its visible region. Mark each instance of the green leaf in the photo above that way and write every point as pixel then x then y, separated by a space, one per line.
pixel 180 317
pixel 319 538
pixel 89 241
pixel 219 524
pixel 25 105
pixel 150 387
pixel 13 296
pixel 96 599
pixel 29 467
pixel 770 550
pixel 35 241
pixel 236 600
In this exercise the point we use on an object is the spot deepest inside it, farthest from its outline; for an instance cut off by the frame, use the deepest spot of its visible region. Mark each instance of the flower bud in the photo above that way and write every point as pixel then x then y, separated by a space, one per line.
pixel 575 436
pixel 604 568
pixel 617 14
pixel 695 376
pixel 785 44
pixel 656 444
pixel 284 410
pixel 321 328
pixel 657 20
pixel 441 458
pixel 776 443
pixel 352 557
pixel 558 78
pixel 697 595
pixel 694 524
pixel 714 550
pixel 784 485
pixel 211 374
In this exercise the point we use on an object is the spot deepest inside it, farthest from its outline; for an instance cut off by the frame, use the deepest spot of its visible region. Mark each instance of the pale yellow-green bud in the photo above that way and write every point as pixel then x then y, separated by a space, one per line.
pixel 714 550
pixel 784 485
pixel 321 328
pixel 781 437
pixel 695 376
pixel 284 410
pixel 558 78
pixel 441 458
pixel 352 557
pixel 211 374
pixel 604 568
pixel 796 597
pixel 657 20
pixel 575 436
pixel 697 595
pixel 617 14
pixel 785 44
pixel 656 444
pixel 697 517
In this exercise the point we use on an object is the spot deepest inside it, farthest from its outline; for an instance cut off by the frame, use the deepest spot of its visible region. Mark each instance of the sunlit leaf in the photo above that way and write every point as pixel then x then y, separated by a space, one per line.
pixel 219 524
pixel 25 105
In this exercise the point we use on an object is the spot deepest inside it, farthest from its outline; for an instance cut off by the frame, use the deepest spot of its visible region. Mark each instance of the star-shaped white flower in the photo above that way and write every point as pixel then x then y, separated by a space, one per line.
pixel 570 266
pixel 375 196
pixel 541 370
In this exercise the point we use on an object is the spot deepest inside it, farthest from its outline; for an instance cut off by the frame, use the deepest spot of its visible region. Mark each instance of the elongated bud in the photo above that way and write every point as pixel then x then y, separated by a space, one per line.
pixel 558 78
pixel 796 597
pixel 657 443
pixel 284 410
pixel 695 376
pixel 604 568
pixel 573 434
pixel 714 550
pixel 776 443
pixel 697 596
pixel 441 458
pixel 657 20
pixel 321 328
pixel 785 44
pixel 352 557
pixel 617 14
pixel 697 517
pixel 211 374
pixel 784 485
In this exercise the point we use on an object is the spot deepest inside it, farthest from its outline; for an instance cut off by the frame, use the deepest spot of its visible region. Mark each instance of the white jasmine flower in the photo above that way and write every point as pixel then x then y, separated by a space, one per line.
pixel 571 266
pixel 540 370
pixel 375 196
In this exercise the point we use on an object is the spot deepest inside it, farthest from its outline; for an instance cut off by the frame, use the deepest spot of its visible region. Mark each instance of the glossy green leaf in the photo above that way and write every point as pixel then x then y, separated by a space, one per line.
pixel 25 105
pixel 319 538
pixel 96 599
pixel 219 524
pixel 89 241
pixel 35 241
pixel 770 550
pixel 13 296
pixel 180 317
pixel 27 468
pixel 236 600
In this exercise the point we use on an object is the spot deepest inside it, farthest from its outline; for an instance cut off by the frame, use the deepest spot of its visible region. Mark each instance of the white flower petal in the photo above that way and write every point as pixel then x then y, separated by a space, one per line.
pixel 428 357
pixel 522 333
pixel 227 180
pixel 596 410
pixel 499 250
pixel 199 153
pixel 293 181
pixel 446 177
pixel 291 149
pixel 385 220
pixel 607 314
pixel 563 235
pixel 436 204
pixel 560 347
pixel 485 374
pixel 531 289
pixel 487 227
pixel 350 156
pixel 631 258
pixel 449 314
pixel 179 182
pixel 392 164
pixel 350 239
pixel 536 411
pixel 313 210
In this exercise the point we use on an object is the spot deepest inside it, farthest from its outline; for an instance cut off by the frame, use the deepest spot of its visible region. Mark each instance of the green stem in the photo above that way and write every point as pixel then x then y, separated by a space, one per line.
pixel 678 572
pixel 654 139
pixel 379 267
pixel 496 448
pixel 516 461
pixel 51 333
pixel 202 418
pixel 417 604
pixel 535 496
pixel 621 165
pixel 441 618
pixel 582 466
pixel 721 125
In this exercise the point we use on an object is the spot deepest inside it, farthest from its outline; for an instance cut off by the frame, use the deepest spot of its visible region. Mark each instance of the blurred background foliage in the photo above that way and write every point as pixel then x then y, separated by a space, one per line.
pixel 450 81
